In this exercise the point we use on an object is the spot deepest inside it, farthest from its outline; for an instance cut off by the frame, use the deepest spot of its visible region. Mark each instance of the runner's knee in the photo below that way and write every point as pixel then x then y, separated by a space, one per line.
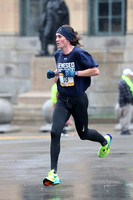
pixel 82 135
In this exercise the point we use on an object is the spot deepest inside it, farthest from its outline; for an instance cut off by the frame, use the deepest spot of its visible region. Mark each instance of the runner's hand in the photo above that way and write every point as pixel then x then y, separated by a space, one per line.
pixel 50 74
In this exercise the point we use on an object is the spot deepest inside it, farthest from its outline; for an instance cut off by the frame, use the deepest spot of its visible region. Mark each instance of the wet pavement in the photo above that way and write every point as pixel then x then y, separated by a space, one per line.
pixel 24 162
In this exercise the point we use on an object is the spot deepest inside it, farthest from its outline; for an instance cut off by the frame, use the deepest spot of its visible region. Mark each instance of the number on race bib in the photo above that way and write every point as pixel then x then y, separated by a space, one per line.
pixel 66 81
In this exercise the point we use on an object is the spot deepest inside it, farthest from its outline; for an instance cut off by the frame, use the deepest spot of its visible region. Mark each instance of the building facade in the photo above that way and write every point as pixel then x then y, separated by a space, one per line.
pixel 107 30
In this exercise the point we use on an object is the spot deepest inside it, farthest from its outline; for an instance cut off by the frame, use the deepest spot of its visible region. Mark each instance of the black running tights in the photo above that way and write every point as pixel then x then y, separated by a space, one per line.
pixel 77 107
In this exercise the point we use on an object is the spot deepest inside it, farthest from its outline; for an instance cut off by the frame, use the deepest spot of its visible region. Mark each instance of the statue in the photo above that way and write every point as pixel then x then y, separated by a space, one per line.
pixel 54 15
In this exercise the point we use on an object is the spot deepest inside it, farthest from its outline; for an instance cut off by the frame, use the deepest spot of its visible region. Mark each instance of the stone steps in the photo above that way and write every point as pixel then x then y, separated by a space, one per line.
pixel 27 114
pixel 32 114
pixel 34 97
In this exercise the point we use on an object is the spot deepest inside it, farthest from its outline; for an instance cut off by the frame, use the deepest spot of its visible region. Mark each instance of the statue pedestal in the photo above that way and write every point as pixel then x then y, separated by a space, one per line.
pixel 39 68
pixel 40 85
pixel 29 108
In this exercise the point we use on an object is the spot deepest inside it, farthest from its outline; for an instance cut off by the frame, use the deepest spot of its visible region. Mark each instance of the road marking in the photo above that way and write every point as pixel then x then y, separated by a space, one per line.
pixel 29 137
pixel 23 137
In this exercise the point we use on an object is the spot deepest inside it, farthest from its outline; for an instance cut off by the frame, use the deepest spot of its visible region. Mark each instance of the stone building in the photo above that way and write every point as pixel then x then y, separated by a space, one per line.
pixel 107 30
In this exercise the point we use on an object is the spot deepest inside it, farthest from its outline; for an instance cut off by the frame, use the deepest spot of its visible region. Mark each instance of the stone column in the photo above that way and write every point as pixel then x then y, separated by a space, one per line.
pixel 129 17
pixel 78 11
pixel 129 24
pixel 128 58
pixel 9 17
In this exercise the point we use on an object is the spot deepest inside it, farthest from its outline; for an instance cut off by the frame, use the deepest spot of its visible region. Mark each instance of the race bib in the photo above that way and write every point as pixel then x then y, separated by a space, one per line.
pixel 66 81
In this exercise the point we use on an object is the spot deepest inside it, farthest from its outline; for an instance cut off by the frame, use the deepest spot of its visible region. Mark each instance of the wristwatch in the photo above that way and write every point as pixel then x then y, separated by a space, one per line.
pixel 76 73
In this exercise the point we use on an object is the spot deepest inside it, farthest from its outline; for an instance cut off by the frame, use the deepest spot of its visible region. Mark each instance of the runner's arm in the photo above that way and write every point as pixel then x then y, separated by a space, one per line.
pixel 88 72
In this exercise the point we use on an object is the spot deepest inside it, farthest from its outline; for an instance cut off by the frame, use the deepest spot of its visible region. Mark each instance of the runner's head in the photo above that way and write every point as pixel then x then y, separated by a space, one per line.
pixel 69 33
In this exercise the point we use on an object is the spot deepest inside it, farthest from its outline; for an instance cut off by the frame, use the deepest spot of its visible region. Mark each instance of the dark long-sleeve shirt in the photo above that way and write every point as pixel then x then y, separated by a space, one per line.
pixel 125 95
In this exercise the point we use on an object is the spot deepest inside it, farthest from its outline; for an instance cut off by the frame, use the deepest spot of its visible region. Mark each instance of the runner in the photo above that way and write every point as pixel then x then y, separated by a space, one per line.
pixel 75 67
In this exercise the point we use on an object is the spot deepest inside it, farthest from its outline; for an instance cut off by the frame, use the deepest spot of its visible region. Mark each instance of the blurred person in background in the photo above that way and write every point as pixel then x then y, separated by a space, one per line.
pixel 125 100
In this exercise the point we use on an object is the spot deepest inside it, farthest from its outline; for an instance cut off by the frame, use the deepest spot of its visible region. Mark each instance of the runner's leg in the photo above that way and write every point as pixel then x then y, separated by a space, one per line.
pixel 80 116
pixel 60 116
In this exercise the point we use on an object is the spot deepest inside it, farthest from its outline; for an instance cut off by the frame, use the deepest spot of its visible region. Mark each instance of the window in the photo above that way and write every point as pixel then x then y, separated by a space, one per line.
pixel 30 16
pixel 107 17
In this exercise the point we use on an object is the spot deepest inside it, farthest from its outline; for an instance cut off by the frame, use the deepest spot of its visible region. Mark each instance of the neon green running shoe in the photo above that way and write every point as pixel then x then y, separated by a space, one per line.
pixel 104 150
pixel 52 179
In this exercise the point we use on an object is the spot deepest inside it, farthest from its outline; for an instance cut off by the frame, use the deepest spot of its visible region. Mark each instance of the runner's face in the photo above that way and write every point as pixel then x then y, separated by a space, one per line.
pixel 61 41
